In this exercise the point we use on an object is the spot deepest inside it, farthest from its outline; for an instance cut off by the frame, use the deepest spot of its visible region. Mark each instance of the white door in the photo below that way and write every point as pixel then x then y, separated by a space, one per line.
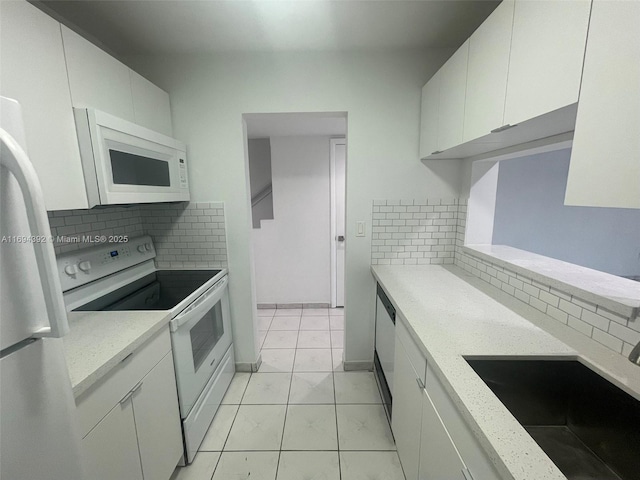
pixel 338 201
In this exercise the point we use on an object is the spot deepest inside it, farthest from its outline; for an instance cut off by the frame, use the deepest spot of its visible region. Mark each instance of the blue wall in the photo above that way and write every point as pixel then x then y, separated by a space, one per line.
pixel 530 215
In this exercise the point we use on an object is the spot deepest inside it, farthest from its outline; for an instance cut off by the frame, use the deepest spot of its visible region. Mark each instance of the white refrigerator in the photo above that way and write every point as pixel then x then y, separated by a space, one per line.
pixel 39 434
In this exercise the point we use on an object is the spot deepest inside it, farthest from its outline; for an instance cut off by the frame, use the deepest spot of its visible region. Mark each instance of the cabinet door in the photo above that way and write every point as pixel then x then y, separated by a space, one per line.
pixel 488 65
pixel 453 81
pixel 429 116
pixel 150 105
pixel 407 412
pixel 111 448
pixel 96 79
pixel 33 72
pixel 158 421
pixel 605 160
pixel 439 458
pixel 547 50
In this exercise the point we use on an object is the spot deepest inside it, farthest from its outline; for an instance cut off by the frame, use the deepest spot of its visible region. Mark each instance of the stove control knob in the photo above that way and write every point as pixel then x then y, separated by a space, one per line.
pixel 71 270
pixel 141 248
pixel 85 266
pixel 147 247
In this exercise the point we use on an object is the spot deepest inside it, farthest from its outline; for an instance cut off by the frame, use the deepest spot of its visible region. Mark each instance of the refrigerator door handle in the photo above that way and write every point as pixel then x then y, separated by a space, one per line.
pixel 14 158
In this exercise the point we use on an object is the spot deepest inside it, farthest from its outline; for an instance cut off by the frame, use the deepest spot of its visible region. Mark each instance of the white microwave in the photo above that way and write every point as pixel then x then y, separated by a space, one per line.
pixel 126 163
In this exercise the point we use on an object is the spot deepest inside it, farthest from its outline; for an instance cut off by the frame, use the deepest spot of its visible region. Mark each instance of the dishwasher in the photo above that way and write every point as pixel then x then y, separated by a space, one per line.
pixel 384 348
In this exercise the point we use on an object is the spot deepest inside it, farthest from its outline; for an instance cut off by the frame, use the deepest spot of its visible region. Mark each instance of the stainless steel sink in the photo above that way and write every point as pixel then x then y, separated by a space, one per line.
pixel 587 426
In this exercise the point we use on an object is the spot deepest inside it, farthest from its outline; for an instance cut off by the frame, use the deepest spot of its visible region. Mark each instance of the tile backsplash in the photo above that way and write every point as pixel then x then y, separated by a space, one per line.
pixel 186 235
pixel 71 229
pixel 414 232
pixel 614 331
pixel 432 231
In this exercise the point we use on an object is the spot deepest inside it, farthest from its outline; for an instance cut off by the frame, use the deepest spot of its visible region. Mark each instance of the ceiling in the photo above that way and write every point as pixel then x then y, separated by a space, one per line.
pixel 205 26
pixel 262 125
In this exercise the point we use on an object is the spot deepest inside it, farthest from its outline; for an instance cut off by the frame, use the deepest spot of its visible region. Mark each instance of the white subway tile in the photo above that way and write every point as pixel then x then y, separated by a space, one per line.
pixel 596 320
pixel 607 340
pixel 580 326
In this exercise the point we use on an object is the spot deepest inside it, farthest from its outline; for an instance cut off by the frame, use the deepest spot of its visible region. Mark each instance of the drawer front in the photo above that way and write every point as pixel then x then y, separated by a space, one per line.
pixel 95 403
pixel 418 360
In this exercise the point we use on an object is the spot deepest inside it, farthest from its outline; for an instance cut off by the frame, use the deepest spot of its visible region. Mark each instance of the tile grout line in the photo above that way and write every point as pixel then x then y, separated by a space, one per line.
pixel 335 408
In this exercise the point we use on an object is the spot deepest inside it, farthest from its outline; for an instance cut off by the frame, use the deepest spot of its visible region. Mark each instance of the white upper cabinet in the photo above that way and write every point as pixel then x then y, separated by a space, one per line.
pixel 547 51
pixel 453 81
pixel 488 66
pixel 605 159
pixel 33 72
pixel 151 106
pixel 429 116
pixel 97 80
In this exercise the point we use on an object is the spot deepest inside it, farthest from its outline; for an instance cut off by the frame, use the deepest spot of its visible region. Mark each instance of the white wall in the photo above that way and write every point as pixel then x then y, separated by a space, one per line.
pixel 380 93
pixel 530 214
pixel 292 251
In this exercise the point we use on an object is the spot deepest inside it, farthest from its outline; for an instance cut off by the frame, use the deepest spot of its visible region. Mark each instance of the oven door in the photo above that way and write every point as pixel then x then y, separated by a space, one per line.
pixel 200 335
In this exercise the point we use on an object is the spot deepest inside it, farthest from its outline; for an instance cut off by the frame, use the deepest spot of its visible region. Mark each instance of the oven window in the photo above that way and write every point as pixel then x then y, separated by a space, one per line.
pixel 205 335
pixel 130 169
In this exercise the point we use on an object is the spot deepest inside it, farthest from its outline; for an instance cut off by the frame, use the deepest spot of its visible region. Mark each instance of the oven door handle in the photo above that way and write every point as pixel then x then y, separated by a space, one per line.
pixel 200 306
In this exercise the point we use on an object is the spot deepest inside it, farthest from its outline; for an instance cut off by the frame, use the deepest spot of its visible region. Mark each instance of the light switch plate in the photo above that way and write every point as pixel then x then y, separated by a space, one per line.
pixel 360 232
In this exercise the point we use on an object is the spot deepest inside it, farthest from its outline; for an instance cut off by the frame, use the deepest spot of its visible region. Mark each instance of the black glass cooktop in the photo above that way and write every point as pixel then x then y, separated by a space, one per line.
pixel 160 290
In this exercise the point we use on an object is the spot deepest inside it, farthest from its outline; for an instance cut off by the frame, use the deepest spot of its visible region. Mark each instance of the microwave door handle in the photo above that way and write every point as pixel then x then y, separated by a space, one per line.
pixel 202 306
pixel 14 158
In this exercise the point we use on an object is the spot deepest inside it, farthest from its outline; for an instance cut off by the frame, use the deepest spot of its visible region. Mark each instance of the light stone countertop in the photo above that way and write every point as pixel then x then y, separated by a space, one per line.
pixel 617 294
pixel 98 341
pixel 451 314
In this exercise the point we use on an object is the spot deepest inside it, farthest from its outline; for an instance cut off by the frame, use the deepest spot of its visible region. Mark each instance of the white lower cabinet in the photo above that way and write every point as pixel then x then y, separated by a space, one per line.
pixel 433 440
pixel 111 448
pixel 448 447
pixel 439 457
pixel 156 410
pixel 131 420
pixel 407 404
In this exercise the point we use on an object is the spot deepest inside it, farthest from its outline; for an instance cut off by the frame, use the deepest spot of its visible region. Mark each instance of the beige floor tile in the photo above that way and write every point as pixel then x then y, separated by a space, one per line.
pixel 310 427
pixel 308 466
pixel 312 388
pixel 247 465
pixel 257 427
pixel 363 427
pixel 277 360
pixel 371 466
pixel 356 387
pixel 267 389
pixel 313 360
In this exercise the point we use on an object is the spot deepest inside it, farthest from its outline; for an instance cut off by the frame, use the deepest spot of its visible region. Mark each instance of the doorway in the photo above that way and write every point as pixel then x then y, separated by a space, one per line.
pixel 296 175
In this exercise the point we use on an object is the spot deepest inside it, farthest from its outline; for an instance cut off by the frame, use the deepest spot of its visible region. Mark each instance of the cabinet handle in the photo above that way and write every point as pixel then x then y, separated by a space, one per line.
pixel 126 397
pixel 131 392
pixel 437 152
pixel 420 383
pixel 503 128
pixel 467 474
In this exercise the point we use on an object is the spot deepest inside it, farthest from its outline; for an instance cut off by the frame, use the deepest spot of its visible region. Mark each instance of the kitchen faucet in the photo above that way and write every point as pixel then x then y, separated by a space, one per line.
pixel 634 356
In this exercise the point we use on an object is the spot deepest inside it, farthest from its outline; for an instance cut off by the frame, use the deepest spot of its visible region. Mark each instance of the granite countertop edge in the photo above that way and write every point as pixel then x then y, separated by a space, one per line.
pixel 474 400
pixel 87 367
pixel 622 305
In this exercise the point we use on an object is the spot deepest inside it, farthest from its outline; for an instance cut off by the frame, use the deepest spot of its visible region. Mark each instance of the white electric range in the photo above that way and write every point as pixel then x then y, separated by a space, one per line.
pixel 123 276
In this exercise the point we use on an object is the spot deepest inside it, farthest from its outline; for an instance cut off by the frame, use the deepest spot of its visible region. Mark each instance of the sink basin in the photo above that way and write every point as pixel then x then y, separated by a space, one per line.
pixel 586 425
